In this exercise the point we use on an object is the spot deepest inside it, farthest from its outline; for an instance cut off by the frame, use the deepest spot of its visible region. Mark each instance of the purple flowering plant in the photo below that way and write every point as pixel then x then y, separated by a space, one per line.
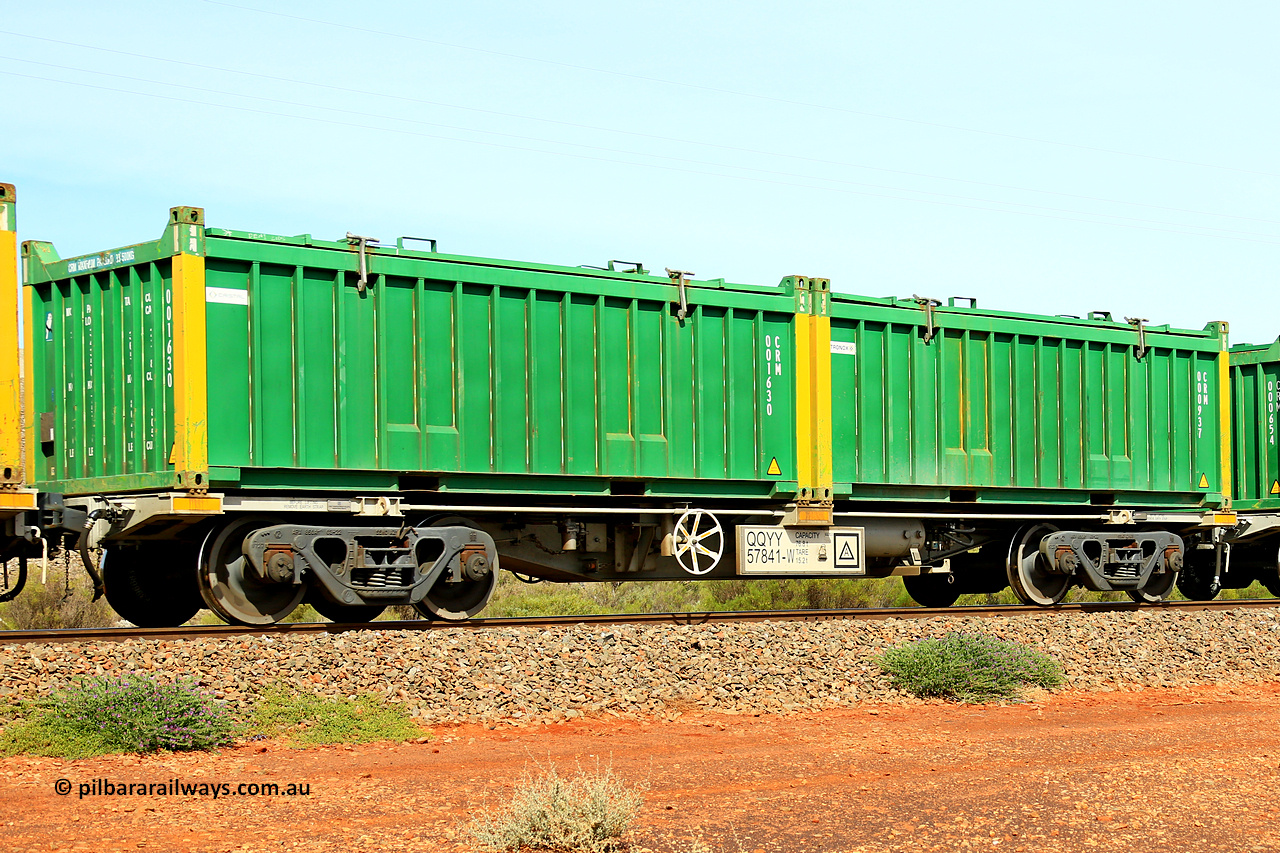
pixel 128 713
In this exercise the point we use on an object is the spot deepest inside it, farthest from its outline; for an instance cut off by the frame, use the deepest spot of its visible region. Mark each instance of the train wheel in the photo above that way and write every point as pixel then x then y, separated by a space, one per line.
pixel 458 602
pixel 12 585
pixel 152 585
pixel 463 599
pixel 1195 581
pixel 232 588
pixel 1270 578
pixel 940 590
pixel 1028 571
pixel 352 613
pixel 1157 589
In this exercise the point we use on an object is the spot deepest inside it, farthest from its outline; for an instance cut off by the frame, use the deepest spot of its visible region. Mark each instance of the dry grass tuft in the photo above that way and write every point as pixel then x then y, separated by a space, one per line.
pixel 588 813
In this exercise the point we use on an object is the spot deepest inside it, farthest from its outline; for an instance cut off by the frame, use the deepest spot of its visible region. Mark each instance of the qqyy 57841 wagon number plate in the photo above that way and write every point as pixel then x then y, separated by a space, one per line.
pixel 801 551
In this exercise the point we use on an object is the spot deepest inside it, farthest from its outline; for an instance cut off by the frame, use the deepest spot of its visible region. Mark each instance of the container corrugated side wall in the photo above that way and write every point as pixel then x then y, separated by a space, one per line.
pixel 1017 408
pixel 1255 394
pixel 519 379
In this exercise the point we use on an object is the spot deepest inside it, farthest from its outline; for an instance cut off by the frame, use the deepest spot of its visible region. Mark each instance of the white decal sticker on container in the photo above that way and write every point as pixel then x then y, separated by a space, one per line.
pixel 226 295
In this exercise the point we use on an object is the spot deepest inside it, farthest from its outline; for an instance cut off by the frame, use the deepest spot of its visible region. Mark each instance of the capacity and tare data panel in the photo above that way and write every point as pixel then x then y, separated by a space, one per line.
pixel 771 550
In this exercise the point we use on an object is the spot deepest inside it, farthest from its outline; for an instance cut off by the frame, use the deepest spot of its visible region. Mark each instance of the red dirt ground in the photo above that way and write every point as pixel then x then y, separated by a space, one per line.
pixel 1179 770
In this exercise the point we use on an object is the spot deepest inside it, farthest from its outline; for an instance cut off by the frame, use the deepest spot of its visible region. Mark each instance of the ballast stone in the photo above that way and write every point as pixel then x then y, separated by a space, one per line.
pixel 536 674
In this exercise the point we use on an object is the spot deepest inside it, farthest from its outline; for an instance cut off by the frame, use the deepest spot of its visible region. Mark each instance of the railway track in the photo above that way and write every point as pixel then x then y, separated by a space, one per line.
pixel 68 635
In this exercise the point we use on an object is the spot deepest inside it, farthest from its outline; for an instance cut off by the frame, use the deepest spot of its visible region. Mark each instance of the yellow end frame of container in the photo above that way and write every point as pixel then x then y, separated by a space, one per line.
pixel 1224 413
pixel 814 465
pixel 190 456
pixel 28 390
pixel 11 465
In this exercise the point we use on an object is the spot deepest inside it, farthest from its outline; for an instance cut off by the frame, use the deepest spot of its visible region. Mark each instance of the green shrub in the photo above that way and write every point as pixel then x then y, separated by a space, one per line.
pixel 513 598
pixel 1254 590
pixel 49 605
pixel 306 718
pixel 132 713
pixel 303 613
pixel 543 600
pixel 805 593
pixel 968 667
pixel 588 813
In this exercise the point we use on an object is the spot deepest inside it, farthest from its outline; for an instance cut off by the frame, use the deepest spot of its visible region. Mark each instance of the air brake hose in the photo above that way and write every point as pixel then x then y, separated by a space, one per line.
pixel 93 516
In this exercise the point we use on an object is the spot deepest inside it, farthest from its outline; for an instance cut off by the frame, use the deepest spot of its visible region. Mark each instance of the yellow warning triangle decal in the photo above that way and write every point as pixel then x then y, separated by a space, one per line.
pixel 1204 482
pixel 1275 488
pixel 774 470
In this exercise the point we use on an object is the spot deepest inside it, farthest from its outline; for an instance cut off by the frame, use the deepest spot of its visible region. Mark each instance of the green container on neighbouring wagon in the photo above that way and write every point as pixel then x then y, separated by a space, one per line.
pixel 1255 380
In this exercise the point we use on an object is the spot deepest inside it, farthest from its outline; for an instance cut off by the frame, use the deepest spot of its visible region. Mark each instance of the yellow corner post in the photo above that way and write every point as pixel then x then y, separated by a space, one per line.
pixel 11 467
pixel 823 464
pixel 1224 414
pixel 814 464
pixel 804 389
pixel 28 385
pixel 190 360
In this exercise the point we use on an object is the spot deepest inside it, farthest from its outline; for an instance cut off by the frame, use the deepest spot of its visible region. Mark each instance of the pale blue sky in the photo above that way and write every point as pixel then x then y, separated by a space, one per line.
pixel 1054 158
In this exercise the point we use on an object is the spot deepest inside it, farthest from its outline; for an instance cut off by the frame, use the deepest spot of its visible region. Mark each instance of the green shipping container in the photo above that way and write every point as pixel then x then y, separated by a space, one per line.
pixel 941 403
pixel 225 359
pixel 1255 389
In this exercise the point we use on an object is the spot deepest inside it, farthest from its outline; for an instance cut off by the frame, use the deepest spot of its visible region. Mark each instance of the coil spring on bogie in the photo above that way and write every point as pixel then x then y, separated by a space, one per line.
pixel 381 577
pixel 382 567
pixel 1122 571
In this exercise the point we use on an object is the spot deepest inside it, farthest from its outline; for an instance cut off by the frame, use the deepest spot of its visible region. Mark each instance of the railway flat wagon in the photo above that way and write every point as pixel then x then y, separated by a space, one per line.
pixel 189 394
pixel 244 422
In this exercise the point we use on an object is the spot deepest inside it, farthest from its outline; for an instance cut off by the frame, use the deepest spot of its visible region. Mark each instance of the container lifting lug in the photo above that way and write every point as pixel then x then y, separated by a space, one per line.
pixel 679 278
pixel 400 241
pixel 1142 333
pixel 363 243
pixel 928 305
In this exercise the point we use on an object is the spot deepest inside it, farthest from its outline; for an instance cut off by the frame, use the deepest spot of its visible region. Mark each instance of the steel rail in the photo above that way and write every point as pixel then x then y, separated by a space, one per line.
pixel 580 510
pixel 979 515
pixel 67 635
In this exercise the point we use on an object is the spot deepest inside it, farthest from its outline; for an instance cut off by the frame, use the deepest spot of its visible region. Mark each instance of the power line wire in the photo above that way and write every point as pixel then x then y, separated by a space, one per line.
pixel 737 93
pixel 1203 232
pixel 638 134
pixel 690 161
